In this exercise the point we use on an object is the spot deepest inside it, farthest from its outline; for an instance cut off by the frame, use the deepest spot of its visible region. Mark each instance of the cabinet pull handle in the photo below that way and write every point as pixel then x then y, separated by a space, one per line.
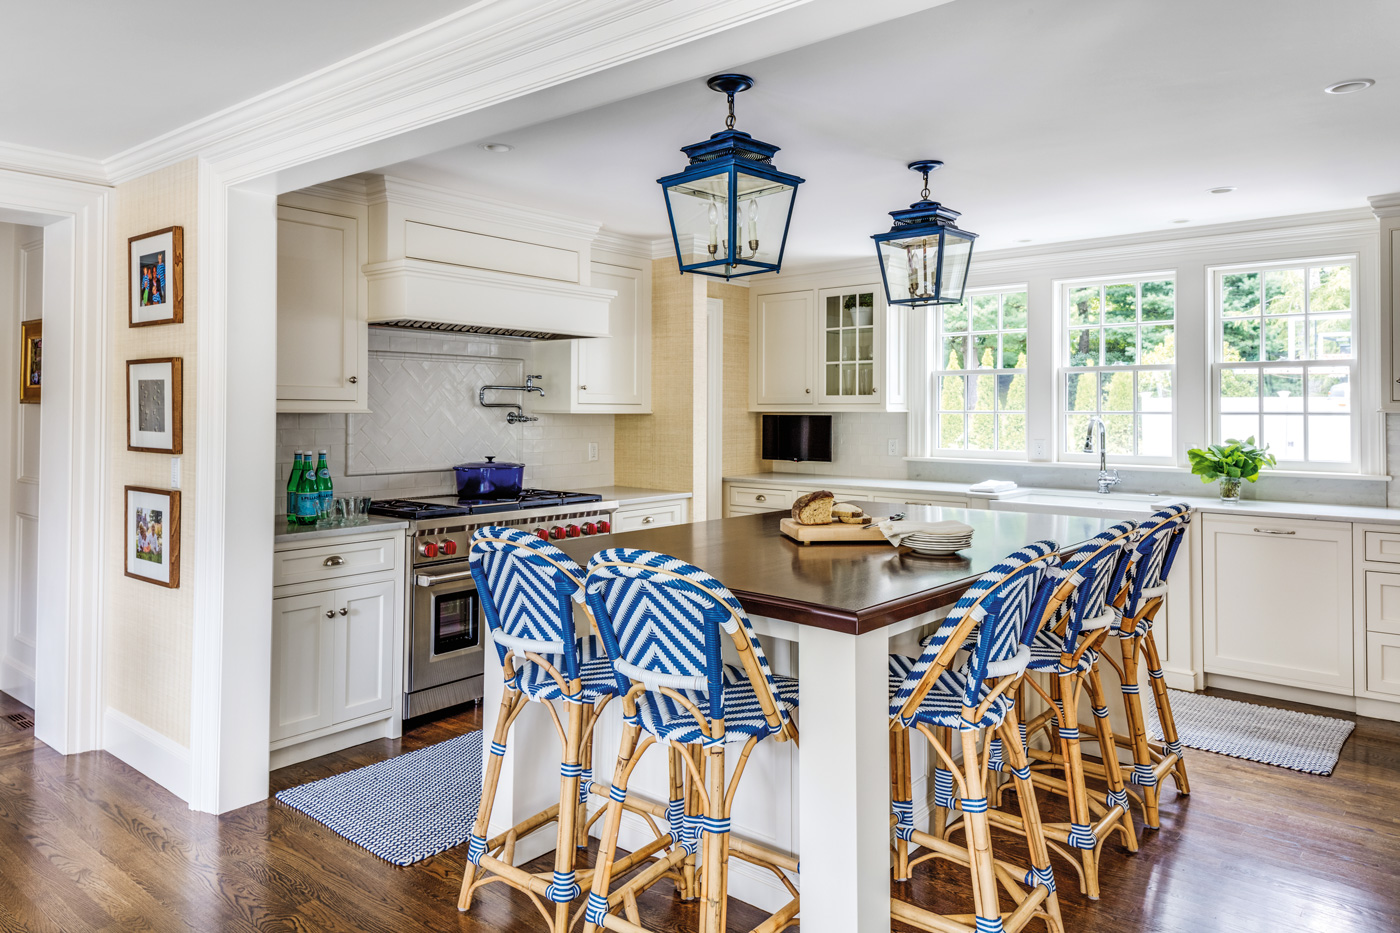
pixel 1274 531
pixel 333 561
pixel 760 498
pixel 354 380
pixel 330 613
pixel 345 610
pixel 647 520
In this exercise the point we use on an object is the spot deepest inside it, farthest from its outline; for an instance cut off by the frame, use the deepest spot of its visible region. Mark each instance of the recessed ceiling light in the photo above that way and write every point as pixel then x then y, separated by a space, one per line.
pixel 1223 189
pixel 497 147
pixel 1349 87
pixel 1181 221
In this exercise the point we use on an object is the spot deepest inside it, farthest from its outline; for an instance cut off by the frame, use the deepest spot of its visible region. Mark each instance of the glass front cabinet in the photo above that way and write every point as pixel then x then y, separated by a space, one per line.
pixel 854 346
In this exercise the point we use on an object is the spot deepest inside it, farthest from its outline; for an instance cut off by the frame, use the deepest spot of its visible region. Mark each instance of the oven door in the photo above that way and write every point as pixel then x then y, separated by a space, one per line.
pixel 447 627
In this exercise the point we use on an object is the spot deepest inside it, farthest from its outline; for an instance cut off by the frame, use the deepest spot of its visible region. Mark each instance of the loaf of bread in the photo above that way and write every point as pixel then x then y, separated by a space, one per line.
pixel 813 508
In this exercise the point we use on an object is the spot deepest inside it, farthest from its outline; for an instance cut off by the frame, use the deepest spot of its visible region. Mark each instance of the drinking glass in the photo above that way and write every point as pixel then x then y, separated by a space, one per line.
pixel 362 509
pixel 344 510
pixel 325 513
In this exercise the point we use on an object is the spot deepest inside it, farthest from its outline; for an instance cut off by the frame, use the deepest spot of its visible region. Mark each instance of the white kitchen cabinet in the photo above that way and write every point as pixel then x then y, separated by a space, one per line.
pixel 1277 601
pixel 655 514
pixel 828 349
pixel 322 334
pixel 603 375
pixel 920 499
pixel 303 632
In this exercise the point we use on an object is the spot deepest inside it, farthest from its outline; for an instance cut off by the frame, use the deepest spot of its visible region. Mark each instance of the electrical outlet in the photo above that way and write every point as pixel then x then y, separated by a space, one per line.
pixel 174 472
pixel 592 451
pixel 893 444
pixel 1038 449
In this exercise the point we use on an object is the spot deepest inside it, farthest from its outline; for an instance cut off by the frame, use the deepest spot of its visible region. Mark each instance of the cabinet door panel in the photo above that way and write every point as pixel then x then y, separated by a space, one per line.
pixel 850 332
pixel 614 370
pixel 1277 599
pixel 364 650
pixel 302 642
pixel 784 349
pixel 318 313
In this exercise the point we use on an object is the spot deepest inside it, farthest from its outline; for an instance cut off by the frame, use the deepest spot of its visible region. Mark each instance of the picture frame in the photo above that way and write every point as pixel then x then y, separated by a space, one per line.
pixel 156 278
pixel 152 535
pixel 155 405
pixel 30 361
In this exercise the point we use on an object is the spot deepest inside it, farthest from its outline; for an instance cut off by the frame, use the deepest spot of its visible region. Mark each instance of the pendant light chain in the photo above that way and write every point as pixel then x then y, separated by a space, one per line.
pixel 924 195
pixel 729 121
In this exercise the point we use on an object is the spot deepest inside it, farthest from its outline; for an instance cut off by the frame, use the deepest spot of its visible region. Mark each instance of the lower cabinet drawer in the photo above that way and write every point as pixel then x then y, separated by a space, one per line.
pixel 332 561
pixel 732 510
pixel 915 498
pixel 1383 602
pixel 754 496
pixel 653 516
pixel 1383 546
pixel 1383 663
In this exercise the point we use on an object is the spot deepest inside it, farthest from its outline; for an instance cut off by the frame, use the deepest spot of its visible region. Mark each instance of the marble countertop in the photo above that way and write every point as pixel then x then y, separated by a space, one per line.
pixel 634 495
pixel 286 535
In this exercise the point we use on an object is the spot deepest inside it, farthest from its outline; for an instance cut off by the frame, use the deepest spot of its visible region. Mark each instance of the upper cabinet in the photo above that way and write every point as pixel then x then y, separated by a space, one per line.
pixel 828 349
pixel 322 337
pixel 603 375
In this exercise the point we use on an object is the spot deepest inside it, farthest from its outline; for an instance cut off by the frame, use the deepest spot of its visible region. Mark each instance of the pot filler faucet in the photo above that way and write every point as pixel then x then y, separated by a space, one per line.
pixel 1107 478
pixel 518 416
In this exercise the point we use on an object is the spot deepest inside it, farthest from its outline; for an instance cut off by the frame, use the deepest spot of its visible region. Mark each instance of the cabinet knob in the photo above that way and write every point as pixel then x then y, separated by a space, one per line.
pixel 809 391
pixel 345 610
pixel 583 388
pixel 333 561
pixel 760 498
pixel 330 613
pixel 354 380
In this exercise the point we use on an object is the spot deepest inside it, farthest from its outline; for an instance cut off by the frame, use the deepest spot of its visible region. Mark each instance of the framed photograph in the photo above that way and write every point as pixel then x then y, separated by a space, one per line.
pixel 157 278
pixel 30 361
pixel 155 405
pixel 153 535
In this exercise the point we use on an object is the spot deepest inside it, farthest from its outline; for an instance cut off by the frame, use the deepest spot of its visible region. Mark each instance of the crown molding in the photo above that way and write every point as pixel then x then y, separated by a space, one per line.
pixel 431 197
pixel 624 244
pixel 354 190
pixel 1385 205
pixel 52 164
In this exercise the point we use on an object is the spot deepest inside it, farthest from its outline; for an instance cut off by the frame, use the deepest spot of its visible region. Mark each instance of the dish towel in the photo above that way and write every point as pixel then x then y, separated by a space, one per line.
pixel 993 486
pixel 895 532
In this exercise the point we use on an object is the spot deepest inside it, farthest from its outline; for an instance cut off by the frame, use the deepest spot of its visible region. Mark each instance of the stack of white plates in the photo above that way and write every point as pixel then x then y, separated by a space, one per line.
pixel 938 545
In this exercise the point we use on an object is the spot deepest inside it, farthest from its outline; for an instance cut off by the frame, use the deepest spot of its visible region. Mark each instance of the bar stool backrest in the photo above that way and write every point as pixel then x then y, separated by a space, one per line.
pixel 663 622
pixel 1006 604
pixel 1151 558
pixel 1095 574
pixel 527 588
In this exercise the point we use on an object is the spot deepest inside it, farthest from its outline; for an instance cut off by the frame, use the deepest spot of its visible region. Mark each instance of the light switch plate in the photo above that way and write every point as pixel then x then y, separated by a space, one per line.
pixel 174 472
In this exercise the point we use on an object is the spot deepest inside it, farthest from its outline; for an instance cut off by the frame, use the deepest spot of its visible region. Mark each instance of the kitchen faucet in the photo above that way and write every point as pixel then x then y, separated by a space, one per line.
pixel 1107 478
pixel 518 416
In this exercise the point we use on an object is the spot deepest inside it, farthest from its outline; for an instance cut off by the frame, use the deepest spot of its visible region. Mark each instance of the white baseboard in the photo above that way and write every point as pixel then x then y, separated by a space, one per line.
pixel 157 756
pixel 17 680
pixel 1346 703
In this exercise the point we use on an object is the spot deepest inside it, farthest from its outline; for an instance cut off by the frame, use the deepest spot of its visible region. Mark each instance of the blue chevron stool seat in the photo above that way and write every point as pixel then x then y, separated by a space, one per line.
pixel 1066 652
pixel 527 589
pixel 668 627
pixel 994 620
pixel 1143 595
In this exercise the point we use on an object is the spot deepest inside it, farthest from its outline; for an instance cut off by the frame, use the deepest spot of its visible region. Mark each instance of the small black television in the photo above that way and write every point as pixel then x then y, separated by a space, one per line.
pixel 797 437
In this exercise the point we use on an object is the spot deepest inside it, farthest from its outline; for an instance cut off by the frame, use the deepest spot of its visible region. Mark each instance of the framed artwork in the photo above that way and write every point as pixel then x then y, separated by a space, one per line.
pixel 157 278
pixel 153 535
pixel 155 405
pixel 30 361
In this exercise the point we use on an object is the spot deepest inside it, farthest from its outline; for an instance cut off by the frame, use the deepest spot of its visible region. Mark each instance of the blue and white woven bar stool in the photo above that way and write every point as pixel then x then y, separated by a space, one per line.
pixel 1149 563
pixel 1066 650
pixel 1005 607
pixel 527 588
pixel 665 625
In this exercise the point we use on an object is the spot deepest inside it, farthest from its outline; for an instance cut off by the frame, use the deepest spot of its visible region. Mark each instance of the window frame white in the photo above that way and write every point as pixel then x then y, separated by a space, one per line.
pixel 1215 314
pixel 1063 451
pixel 933 349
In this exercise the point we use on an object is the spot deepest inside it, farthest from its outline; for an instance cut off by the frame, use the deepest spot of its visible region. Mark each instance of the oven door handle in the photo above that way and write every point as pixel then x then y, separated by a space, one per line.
pixel 424 579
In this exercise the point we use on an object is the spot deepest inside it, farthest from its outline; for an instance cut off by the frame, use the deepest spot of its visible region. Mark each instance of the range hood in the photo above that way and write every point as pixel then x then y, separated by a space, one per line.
pixel 444 261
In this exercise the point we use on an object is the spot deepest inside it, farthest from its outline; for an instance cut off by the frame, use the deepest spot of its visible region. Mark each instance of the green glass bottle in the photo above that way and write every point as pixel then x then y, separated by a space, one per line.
pixel 292 480
pixel 308 496
pixel 323 482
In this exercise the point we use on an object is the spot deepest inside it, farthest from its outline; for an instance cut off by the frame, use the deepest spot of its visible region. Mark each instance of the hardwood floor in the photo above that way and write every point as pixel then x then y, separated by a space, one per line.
pixel 86 843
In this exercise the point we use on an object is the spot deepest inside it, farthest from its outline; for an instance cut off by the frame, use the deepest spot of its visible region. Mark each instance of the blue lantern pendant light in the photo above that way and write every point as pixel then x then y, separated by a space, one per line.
pixel 924 258
pixel 730 208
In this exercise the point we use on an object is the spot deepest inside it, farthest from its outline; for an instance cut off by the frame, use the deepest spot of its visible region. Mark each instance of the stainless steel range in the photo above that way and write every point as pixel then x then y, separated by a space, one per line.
pixel 446 628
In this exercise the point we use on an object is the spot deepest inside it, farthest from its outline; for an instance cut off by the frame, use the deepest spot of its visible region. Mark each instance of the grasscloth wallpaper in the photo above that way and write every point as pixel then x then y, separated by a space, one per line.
pixel 148 636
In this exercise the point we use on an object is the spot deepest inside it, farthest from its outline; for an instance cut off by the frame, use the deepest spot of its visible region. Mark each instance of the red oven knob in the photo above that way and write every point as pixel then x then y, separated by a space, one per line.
pixel 556 533
pixel 604 528
pixel 589 528
pixel 428 549
pixel 542 534
pixel 572 531
pixel 449 547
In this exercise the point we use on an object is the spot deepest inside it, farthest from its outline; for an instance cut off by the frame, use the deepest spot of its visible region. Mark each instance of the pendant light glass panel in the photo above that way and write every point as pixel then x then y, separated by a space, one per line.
pixel 712 239
pixel 927 267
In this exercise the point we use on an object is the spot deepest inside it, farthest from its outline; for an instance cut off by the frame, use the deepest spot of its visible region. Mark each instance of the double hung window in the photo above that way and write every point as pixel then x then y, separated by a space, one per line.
pixel 980 381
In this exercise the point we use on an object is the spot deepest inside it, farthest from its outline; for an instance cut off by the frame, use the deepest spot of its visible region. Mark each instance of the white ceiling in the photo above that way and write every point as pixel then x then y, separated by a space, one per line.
pixel 95 77
pixel 1059 120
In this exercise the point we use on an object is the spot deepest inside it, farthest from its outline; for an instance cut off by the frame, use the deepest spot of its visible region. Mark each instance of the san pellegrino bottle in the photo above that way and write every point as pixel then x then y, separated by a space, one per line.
pixel 292 480
pixel 308 496
pixel 323 482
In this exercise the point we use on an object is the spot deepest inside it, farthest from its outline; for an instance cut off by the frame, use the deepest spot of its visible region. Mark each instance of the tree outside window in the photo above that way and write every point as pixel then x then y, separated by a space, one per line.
pixel 981 380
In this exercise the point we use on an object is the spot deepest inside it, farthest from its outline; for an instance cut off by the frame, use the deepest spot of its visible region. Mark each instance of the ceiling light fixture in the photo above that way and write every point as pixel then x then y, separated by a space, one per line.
pixel 924 258
pixel 730 209
pixel 1349 87
pixel 1223 189
pixel 497 147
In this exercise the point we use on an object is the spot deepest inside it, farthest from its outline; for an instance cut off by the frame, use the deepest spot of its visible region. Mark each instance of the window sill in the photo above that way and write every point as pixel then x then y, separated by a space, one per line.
pixel 1149 468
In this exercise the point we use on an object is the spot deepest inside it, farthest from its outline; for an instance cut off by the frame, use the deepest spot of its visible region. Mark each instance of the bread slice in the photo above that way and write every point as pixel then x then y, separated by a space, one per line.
pixel 844 510
pixel 856 519
pixel 813 508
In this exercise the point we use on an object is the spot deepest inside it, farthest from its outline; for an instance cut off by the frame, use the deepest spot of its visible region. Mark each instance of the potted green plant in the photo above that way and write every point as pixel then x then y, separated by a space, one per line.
pixel 1232 463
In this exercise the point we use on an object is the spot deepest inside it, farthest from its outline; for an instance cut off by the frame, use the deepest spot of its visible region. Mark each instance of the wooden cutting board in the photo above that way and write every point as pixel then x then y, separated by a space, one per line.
pixel 836 531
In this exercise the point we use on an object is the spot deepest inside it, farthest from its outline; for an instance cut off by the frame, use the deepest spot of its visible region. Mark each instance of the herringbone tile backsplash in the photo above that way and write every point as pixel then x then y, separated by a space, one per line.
pixel 425 418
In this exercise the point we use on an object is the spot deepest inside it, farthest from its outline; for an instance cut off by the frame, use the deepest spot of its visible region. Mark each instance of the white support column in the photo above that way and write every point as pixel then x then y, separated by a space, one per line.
pixel 844 785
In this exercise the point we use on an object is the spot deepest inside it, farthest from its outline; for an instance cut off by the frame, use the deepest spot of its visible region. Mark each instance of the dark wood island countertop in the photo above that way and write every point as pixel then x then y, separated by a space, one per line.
pixel 851 588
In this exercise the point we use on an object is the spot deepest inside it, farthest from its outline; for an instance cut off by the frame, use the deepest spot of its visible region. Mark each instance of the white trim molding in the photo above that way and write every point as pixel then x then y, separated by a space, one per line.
pixel 155 755
pixel 17 158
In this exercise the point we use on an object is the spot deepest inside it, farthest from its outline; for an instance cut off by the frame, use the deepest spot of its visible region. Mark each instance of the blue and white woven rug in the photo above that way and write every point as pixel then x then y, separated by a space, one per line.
pixel 1283 737
pixel 403 809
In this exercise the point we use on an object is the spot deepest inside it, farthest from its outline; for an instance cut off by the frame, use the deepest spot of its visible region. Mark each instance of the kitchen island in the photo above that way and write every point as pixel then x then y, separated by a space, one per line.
pixel 828 614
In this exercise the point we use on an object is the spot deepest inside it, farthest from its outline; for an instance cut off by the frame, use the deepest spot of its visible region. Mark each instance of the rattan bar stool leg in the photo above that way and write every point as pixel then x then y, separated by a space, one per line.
pixel 901 792
pixel 1108 751
pixel 1081 835
pixel 509 700
pixel 713 896
pixel 1144 776
pixel 1041 872
pixel 612 825
pixel 942 788
pixel 1171 740
pixel 978 832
